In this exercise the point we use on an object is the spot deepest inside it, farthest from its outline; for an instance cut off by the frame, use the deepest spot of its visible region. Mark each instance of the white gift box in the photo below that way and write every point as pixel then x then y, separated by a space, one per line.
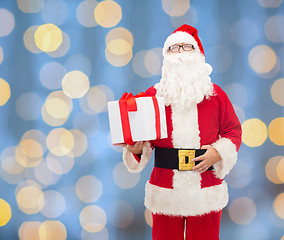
pixel 142 122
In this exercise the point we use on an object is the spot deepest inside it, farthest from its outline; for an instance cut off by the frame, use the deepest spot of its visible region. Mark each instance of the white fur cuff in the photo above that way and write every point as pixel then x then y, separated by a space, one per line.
pixel 132 164
pixel 228 153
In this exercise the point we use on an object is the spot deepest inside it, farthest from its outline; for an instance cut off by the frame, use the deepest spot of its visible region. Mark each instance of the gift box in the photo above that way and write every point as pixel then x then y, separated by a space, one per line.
pixel 137 118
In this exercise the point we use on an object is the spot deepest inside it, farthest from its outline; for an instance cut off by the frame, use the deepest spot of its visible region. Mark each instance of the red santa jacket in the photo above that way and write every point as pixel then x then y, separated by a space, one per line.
pixel 188 193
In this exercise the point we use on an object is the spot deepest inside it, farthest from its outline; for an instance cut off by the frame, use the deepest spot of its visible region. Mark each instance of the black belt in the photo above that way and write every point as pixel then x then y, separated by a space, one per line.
pixel 173 158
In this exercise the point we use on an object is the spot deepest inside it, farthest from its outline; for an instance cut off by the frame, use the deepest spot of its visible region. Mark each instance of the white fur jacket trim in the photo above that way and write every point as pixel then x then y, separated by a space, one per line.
pixel 228 153
pixel 177 202
pixel 132 164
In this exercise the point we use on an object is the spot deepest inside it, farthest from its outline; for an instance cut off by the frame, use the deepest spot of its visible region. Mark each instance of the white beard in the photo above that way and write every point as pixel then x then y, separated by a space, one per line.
pixel 185 79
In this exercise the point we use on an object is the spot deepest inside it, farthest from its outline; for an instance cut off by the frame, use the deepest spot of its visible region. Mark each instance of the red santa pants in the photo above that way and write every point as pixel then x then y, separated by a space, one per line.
pixel 205 227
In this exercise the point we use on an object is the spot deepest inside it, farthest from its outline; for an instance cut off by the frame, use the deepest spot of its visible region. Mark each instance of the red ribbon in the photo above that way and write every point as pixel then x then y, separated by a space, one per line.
pixel 127 103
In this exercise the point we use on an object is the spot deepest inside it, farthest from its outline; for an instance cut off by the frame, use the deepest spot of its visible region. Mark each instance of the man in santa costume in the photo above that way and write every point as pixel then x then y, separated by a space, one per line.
pixel 186 191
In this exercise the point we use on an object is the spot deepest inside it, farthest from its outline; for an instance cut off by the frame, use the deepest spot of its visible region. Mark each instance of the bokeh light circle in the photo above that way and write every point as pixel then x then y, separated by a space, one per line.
pixel 148 217
pixel 254 132
pixel 5 92
pixel 123 178
pixel 37 136
pixel 262 59
pixel 118 60
pixel 138 64
pixel 279 170
pixel 108 14
pixel 96 99
pixel 242 210
pixel 22 159
pixel 31 148
pixel 26 183
pixel 119 33
pixel 275 70
pixel 54 204
pixel 51 110
pixel 276 131
pixel 29 153
pixel 48 37
pixel 119 42
pixel 50 120
pixel 30 6
pixel 278 205
pixel 60 141
pixel 60 96
pixel 274 29
pixel 57 108
pixel 273 170
pixel 75 84
pixel 50 230
pixel 93 218
pixel 30 199
pixel 80 143
pixel 9 162
pixel 89 188
pixel 1 55
pixel 7 22
pixel 108 92
pixel 270 4
pixel 153 61
pixel 60 164
pixel 119 47
pixel 63 48
pixel 5 211
pixel 51 75
pixel 85 13
pixel 277 91
pixel 120 214
pixel 44 175
pixel 175 7
pixel 29 230
pixel 29 40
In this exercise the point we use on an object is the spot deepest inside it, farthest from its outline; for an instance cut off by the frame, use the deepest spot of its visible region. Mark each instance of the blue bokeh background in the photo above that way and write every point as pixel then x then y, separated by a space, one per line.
pixel 230 32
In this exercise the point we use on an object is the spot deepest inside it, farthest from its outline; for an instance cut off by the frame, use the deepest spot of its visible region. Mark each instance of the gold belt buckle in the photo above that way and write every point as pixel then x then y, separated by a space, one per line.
pixel 184 158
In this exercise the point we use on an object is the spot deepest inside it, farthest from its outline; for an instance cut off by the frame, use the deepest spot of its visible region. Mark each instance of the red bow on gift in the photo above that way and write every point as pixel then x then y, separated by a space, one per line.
pixel 127 103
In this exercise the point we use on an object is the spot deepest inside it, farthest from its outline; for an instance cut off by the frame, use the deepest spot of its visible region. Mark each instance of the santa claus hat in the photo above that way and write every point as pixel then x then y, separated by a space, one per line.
pixel 184 34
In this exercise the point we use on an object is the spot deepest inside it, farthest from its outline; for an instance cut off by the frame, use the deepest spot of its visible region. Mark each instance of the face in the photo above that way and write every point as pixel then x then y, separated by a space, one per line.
pixel 179 48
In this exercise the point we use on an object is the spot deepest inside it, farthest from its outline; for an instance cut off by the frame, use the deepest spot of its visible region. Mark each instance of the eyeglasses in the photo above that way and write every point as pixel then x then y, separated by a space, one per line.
pixel 185 47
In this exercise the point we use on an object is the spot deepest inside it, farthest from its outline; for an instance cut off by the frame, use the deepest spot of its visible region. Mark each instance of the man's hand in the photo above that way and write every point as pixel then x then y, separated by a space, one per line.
pixel 210 157
pixel 136 148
